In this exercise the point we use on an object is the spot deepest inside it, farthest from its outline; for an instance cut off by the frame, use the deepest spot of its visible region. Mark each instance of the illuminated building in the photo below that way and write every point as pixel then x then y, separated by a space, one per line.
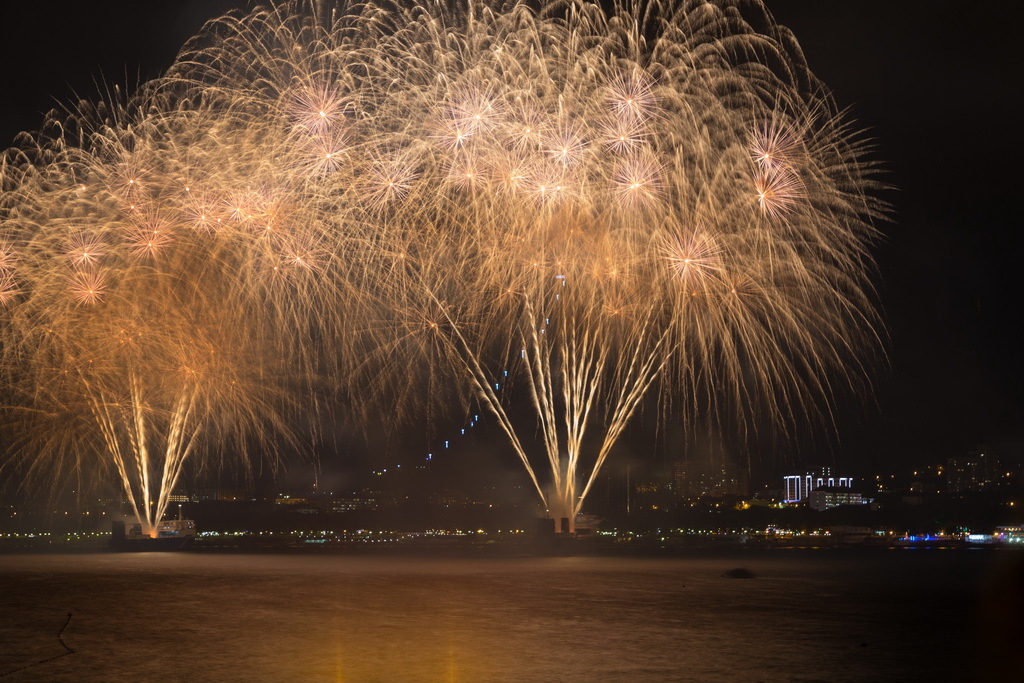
pixel 977 471
pixel 206 495
pixel 1010 534
pixel 799 485
pixel 286 499
pixel 829 497
pixel 352 503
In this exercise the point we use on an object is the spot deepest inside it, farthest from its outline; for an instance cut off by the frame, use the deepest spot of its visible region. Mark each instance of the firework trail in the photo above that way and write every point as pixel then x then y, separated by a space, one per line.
pixel 610 203
pixel 157 281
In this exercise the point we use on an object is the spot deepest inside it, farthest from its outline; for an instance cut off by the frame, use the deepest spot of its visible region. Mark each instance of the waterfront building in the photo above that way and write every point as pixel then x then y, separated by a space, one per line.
pixel 834 496
pixel 798 485
pixel 1010 534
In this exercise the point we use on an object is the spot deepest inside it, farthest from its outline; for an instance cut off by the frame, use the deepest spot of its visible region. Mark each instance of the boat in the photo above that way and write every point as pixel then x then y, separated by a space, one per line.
pixel 171 534
pixel 928 541
pixel 851 535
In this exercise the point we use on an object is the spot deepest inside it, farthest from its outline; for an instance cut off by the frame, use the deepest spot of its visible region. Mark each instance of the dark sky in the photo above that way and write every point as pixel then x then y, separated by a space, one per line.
pixel 937 86
pixel 933 82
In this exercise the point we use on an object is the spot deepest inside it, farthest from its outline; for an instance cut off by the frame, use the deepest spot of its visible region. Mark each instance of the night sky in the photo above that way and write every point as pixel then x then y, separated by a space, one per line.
pixel 934 84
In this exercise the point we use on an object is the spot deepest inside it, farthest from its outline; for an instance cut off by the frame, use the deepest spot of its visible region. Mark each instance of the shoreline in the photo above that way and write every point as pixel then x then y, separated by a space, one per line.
pixel 484 545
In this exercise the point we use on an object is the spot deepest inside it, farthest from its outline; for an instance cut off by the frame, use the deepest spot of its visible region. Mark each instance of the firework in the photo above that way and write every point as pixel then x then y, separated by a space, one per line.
pixel 603 203
pixel 139 335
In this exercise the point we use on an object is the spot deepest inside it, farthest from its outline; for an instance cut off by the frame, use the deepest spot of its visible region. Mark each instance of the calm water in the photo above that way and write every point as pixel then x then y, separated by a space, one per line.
pixel 804 616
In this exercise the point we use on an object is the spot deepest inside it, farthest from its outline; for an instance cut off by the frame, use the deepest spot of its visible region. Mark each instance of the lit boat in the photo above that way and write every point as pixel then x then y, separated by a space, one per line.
pixel 171 534
pixel 928 541
pixel 176 528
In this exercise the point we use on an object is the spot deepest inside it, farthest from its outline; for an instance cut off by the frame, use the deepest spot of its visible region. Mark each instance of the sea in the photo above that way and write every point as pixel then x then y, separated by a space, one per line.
pixel 722 615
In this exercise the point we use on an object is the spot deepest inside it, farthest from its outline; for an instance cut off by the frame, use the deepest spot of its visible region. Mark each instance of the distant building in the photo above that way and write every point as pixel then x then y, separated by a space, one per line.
pixel 287 499
pixel 1010 534
pixel 352 503
pixel 649 486
pixel 207 495
pixel 709 479
pixel 831 497
pixel 975 472
pixel 650 494
pixel 798 485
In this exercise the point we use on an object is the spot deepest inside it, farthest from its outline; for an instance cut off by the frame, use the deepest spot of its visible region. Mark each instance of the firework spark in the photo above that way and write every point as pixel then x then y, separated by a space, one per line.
pixel 87 287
